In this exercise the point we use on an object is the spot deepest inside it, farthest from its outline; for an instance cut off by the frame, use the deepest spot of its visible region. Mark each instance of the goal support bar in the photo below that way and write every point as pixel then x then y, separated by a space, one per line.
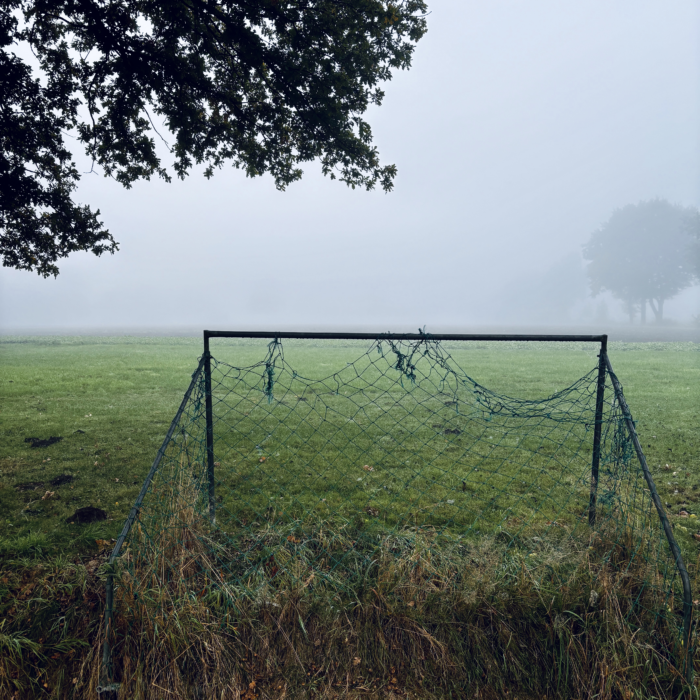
pixel 402 336
pixel 665 524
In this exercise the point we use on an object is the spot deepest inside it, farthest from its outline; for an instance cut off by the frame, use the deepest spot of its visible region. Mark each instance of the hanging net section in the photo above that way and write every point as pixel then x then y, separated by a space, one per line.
pixel 400 437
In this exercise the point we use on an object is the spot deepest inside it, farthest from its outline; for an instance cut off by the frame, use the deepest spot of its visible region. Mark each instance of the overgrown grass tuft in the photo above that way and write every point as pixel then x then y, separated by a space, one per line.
pixel 32 544
pixel 417 621
pixel 422 616
pixel 50 616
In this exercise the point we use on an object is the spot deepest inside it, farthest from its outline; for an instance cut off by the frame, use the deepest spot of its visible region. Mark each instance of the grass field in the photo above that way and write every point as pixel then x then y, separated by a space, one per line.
pixel 111 400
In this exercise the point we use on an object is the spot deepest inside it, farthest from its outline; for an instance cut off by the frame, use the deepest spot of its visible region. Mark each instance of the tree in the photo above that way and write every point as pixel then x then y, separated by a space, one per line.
pixel 264 84
pixel 642 255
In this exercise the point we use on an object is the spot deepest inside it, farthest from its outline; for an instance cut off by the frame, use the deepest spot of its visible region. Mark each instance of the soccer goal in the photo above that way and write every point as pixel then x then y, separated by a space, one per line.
pixel 321 462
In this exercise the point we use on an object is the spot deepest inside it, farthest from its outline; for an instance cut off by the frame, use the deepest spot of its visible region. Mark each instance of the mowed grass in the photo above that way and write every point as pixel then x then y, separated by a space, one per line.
pixel 111 401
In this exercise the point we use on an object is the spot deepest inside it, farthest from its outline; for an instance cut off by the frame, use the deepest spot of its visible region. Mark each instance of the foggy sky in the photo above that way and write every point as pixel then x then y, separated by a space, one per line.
pixel 518 131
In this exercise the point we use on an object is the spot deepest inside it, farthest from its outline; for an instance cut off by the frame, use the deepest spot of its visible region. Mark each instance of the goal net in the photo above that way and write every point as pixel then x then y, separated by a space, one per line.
pixel 325 467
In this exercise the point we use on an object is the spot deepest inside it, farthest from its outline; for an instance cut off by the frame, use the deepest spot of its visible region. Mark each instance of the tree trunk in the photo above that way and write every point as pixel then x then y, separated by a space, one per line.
pixel 658 309
pixel 644 311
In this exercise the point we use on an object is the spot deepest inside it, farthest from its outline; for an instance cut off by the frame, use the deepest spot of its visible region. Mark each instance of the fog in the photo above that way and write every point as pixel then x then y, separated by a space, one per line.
pixel 518 131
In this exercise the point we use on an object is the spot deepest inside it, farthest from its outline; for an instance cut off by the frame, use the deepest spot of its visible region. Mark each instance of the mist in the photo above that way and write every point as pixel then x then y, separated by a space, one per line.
pixel 519 130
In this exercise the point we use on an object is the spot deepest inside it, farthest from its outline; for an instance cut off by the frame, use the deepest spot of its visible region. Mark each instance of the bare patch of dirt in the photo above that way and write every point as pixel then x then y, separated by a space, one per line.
pixel 40 442
pixel 62 479
pixel 87 514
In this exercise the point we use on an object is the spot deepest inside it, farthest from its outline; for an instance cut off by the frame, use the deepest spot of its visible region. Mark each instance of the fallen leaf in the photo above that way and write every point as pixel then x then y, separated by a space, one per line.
pixel 367 468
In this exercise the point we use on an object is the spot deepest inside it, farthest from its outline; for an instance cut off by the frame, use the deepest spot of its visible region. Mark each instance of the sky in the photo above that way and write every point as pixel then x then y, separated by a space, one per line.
pixel 520 128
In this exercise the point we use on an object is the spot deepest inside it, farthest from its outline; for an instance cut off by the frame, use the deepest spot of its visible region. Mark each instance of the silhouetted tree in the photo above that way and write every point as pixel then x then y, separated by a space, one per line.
pixel 264 84
pixel 641 255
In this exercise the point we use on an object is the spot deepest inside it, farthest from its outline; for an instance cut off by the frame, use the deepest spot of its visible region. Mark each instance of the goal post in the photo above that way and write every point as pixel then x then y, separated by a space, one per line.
pixel 274 475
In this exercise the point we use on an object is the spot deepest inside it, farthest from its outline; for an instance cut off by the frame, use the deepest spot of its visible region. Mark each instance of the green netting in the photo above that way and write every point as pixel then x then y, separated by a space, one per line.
pixel 391 466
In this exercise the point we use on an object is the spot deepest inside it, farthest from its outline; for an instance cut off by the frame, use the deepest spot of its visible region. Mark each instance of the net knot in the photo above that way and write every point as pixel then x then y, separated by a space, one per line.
pixel 269 379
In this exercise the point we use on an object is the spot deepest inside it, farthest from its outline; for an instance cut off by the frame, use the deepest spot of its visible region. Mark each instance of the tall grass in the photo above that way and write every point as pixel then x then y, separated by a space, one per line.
pixel 418 622
pixel 50 620
pixel 413 614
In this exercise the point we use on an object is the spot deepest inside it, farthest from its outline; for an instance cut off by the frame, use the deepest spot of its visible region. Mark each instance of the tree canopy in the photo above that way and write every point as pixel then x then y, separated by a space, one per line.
pixel 642 254
pixel 263 84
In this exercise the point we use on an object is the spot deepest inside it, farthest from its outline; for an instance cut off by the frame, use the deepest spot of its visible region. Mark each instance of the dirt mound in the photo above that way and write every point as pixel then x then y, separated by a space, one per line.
pixel 87 514
pixel 40 442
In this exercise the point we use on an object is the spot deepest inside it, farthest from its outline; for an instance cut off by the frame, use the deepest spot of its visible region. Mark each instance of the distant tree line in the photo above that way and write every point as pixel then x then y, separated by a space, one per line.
pixel 645 254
